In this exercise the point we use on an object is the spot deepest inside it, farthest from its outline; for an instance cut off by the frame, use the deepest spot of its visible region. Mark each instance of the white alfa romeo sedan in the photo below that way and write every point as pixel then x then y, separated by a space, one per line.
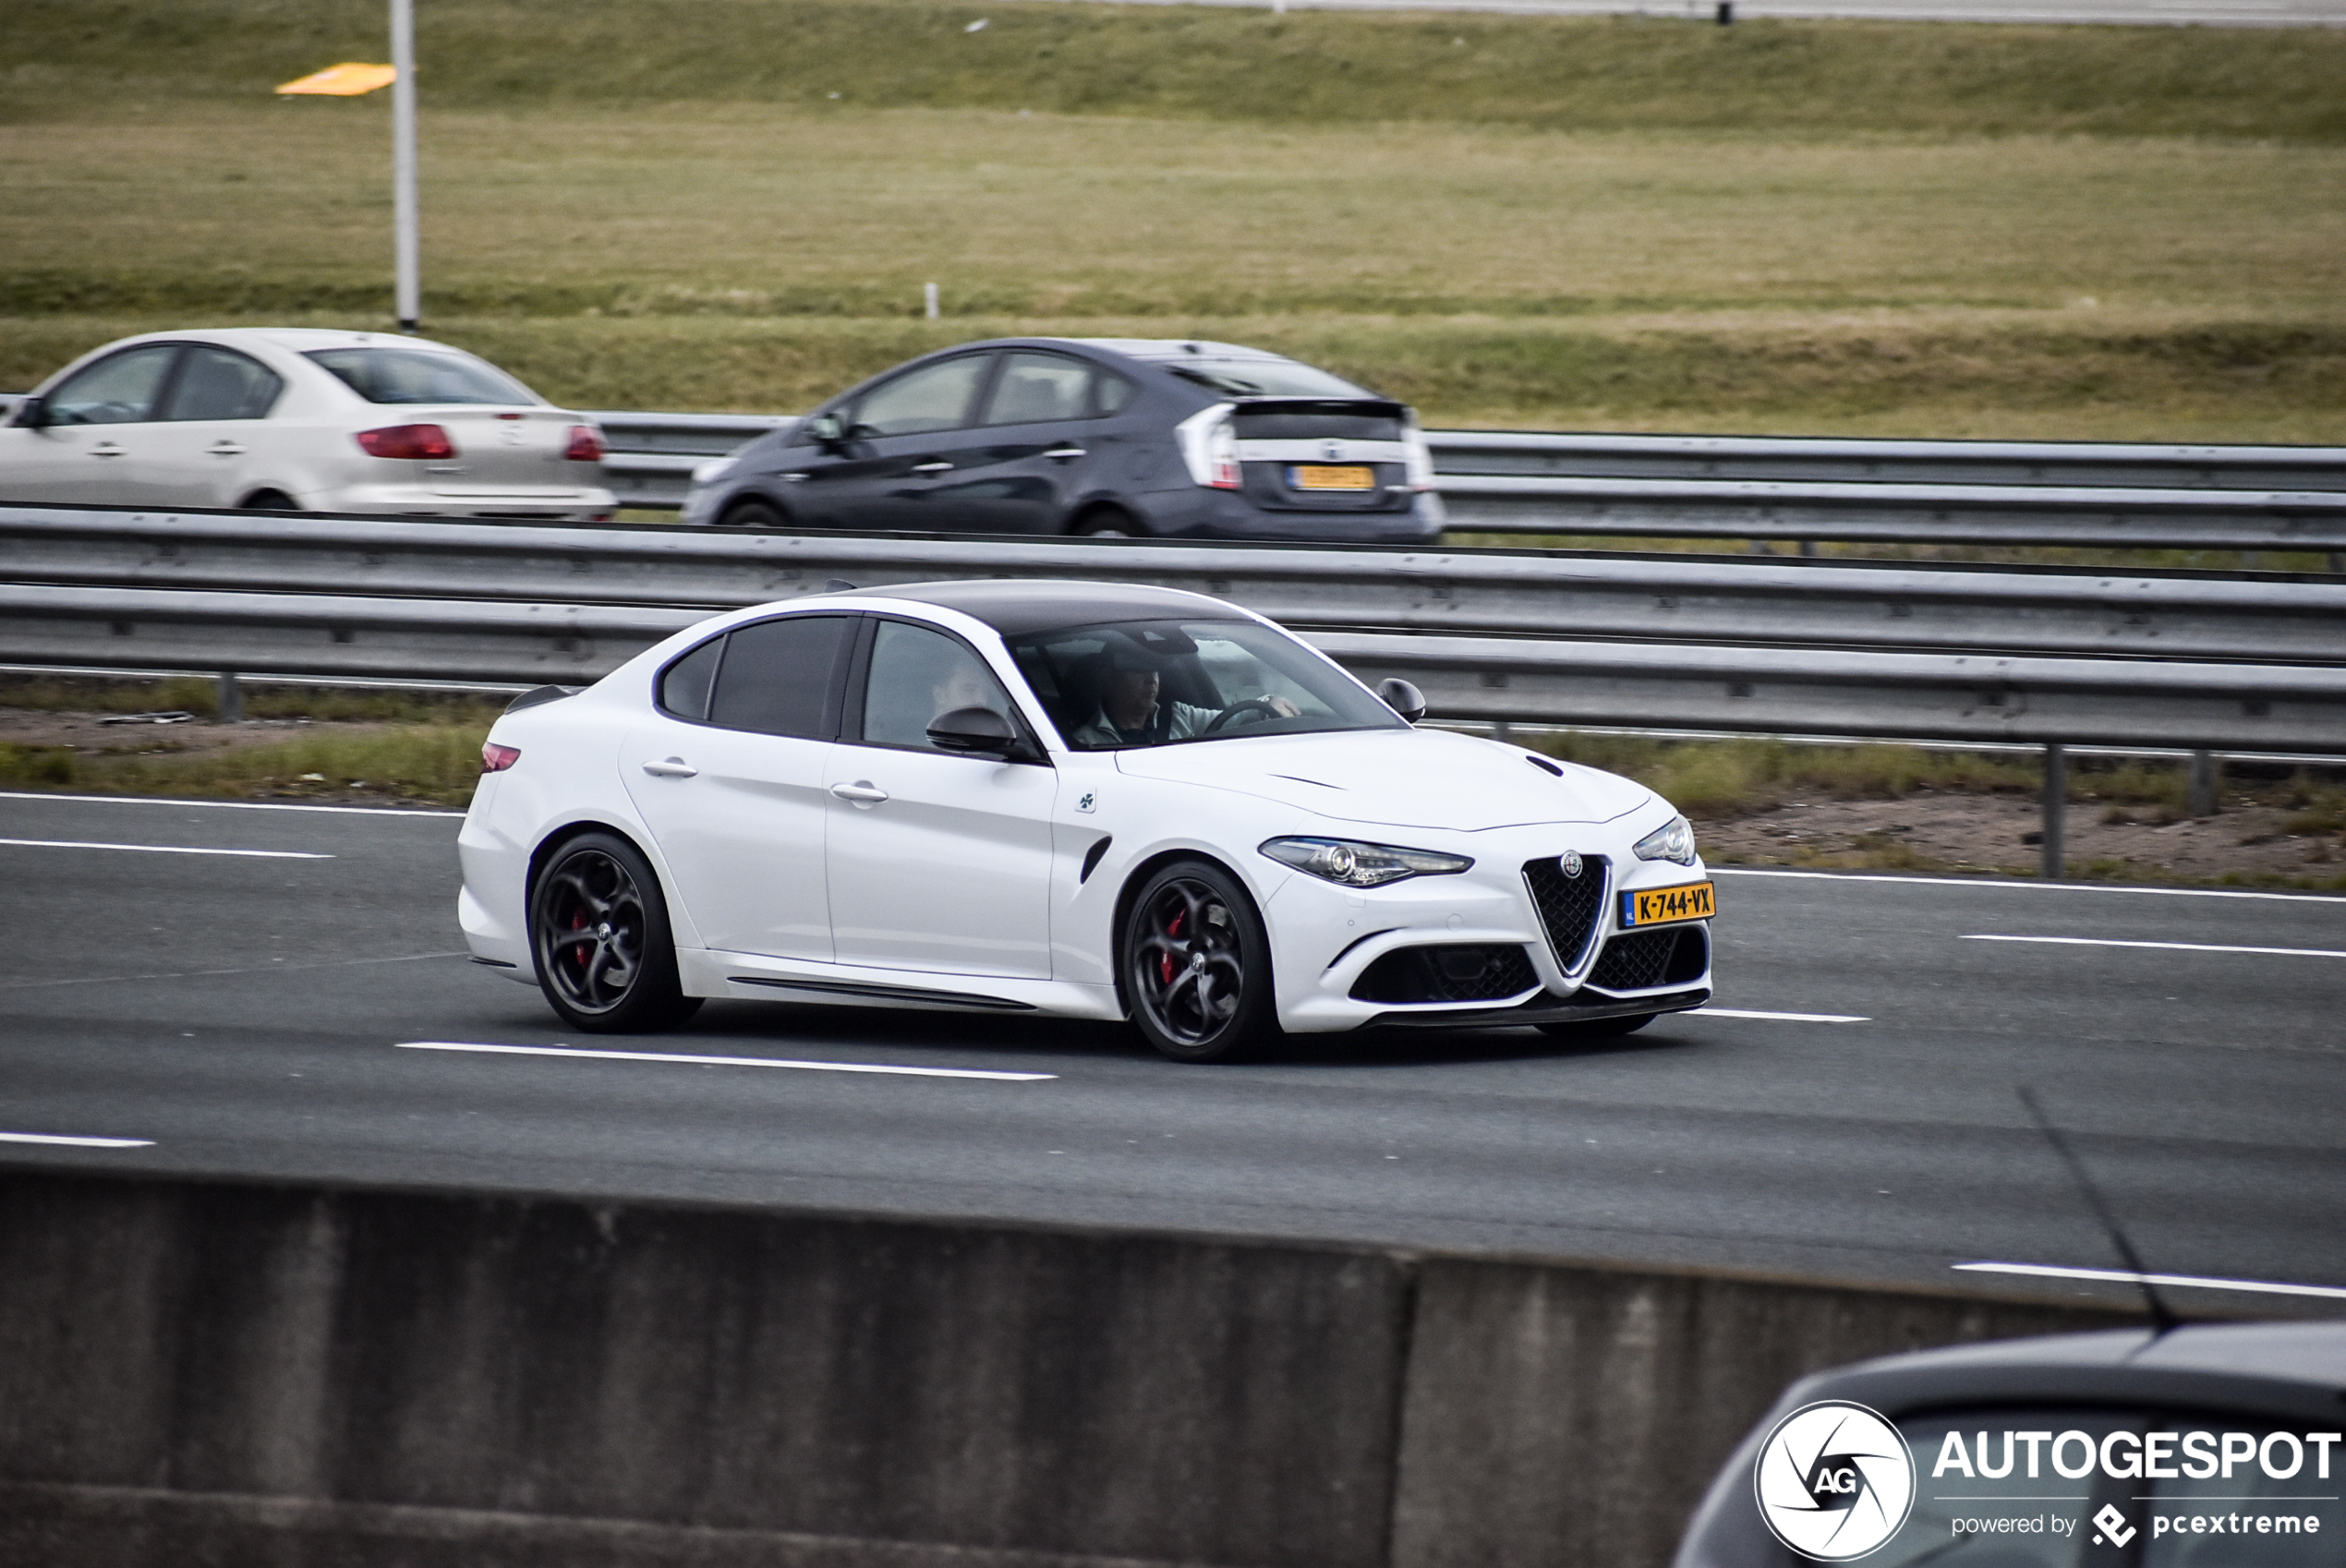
pixel 1071 799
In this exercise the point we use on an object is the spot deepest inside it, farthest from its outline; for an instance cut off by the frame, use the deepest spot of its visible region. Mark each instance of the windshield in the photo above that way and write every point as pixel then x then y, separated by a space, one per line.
pixel 1159 682
pixel 1264 378
pixel 416 375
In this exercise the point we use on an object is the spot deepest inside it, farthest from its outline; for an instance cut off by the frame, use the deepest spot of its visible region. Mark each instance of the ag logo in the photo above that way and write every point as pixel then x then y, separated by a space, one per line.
pixel 1834 1480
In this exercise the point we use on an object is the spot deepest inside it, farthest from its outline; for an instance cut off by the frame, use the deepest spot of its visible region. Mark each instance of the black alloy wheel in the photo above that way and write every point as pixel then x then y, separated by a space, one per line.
pixel 753 515
pixel 598 930
pixel 1598 1029
pixel 1197 966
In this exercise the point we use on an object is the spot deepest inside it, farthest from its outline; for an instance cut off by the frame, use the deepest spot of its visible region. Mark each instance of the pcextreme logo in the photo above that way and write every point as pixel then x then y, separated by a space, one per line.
pixel 1834 1480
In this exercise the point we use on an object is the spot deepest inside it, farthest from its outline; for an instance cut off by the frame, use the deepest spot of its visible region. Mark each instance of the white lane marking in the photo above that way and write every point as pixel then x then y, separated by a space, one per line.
pixel 1787 1017
pixel 725 1061
pixel 2014 882
pixel 219 805
pixel 165 849
pixel 2181 1282
pixel 2167 947
pixel 77 1142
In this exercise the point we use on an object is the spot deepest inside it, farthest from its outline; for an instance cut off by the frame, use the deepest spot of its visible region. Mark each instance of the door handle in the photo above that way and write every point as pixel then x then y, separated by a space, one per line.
pixel 673 767
pixel 225 449
pixel 862 792
pixel 1064 452
pixel 105 449
pixel 933 467
pixel 797 477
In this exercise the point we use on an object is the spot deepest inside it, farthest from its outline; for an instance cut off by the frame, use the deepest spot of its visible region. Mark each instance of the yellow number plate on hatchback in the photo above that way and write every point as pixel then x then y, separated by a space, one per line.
pixel 1660 906
pixel 1322 476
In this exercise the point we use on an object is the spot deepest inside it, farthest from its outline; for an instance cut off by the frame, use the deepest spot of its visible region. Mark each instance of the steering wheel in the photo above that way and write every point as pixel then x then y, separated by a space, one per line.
pixel 1259 704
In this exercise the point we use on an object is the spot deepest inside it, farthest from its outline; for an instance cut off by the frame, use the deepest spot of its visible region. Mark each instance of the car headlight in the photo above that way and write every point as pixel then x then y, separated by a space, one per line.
pixel 1673 841
pixel 1354 864
pixel 715 468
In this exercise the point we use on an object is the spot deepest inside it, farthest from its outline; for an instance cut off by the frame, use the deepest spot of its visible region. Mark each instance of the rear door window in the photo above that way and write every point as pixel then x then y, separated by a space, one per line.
pixel 219 383
pixel 118 389
pixel 1037 388
pixel 781 676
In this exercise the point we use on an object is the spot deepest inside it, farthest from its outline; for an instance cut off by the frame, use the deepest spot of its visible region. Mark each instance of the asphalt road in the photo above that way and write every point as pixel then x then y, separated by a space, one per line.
pixel 256 1013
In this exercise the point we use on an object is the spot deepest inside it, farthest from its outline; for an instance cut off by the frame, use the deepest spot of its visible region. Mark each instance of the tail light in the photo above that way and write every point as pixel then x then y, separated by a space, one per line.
pixel 495 758
pixel 1419 459
pixel 585 445
pixel 428 441
pixel 1210 447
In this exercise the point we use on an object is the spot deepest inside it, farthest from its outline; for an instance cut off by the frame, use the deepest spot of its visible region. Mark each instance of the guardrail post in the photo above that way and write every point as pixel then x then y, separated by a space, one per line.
pixel 2056 805
pixel 2206 774
pixel 232 698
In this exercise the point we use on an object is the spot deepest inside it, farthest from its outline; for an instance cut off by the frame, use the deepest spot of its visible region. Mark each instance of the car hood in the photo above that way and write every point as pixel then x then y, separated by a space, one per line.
pixel 1423 779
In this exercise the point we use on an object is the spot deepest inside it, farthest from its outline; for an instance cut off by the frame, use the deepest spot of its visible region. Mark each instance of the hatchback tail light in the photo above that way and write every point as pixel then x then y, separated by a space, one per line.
pixel 585 445
pixel 495 758
pixel 1210 448
pixel 1419 458
pixel 427 442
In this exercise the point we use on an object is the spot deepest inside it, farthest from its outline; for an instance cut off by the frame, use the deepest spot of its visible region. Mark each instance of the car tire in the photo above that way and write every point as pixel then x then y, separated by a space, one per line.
pixel 598 931
pixel 753 515
pixel 1597 1029
pixel 268 501
pixel 1197 966
pixel 1105 522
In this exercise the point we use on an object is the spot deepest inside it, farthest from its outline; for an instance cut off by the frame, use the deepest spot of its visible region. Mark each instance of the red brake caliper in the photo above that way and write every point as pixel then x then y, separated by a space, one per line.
pixel 1165 968
pixel 578 923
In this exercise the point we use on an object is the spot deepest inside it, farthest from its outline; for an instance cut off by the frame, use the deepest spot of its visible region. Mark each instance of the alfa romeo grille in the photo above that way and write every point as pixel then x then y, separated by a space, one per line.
pixel 1637 960
pixel 1568 906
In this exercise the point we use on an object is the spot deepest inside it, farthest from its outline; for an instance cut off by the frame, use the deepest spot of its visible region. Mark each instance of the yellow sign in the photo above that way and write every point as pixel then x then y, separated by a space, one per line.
pixel 346 80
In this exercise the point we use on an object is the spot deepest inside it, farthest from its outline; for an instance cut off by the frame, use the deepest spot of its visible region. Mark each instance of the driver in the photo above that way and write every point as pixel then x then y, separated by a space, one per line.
pixel 1130 712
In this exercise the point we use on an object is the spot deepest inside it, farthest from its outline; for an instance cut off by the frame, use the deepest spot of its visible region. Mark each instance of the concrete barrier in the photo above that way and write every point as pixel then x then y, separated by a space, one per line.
pixel 198 1373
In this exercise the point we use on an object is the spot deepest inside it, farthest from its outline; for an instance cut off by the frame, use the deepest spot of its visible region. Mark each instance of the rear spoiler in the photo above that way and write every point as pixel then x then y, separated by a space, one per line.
pixel 1242 406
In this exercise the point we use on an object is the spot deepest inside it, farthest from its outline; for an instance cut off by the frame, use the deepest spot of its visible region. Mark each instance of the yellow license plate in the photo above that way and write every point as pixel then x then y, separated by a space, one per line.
pixel 1322 476
pixel 1660 906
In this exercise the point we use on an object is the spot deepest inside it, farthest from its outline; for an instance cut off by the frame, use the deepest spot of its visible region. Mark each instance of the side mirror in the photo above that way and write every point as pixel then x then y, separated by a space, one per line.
pixel 826 430
pixel 974 729
pixel 32 413
pixel 1402 698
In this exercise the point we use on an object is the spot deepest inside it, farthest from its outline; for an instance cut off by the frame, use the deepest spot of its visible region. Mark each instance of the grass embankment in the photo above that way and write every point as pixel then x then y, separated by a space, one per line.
pixel 1870 228
pixel 2279 827
pixel 301 742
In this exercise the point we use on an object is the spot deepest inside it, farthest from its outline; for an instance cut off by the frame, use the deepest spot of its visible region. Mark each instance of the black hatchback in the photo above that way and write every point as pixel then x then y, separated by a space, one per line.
pixel 1103 435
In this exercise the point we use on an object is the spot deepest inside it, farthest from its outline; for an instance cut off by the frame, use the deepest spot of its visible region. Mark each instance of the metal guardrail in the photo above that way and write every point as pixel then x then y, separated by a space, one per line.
pixel 1600 454
pixel 1650 600
pixel 2088 495
pixel 1927 696
pixel 2079 495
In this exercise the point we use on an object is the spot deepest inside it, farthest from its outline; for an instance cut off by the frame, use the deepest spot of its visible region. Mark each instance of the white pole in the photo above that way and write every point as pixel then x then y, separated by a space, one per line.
pixel 403 161
pixel 928 301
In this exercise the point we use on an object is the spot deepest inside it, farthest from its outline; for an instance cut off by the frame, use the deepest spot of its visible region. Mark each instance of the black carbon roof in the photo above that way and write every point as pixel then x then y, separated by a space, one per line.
pixel 1014 607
